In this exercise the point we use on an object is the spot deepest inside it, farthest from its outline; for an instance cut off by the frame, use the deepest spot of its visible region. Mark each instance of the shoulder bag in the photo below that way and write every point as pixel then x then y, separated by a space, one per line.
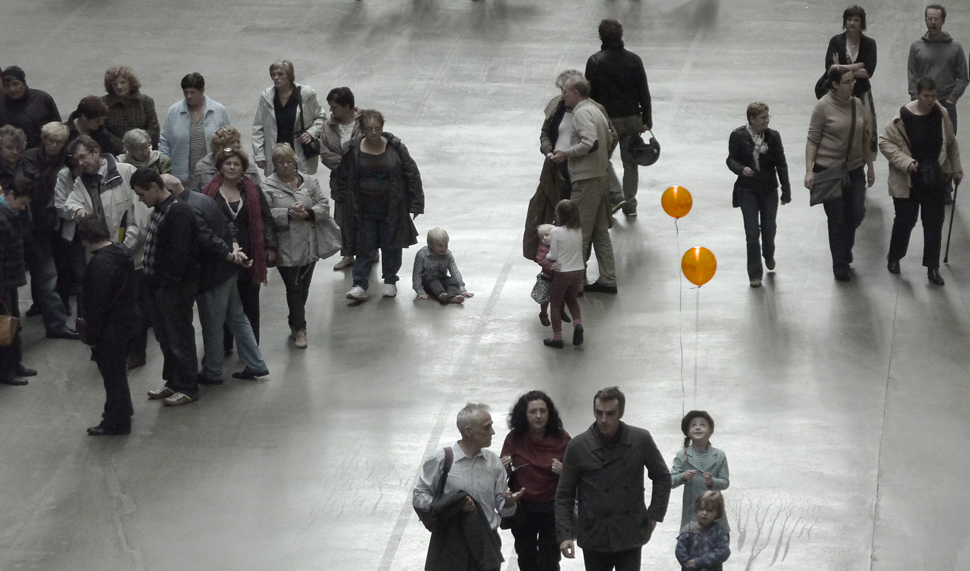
pixel 829 183
pixel 311 149
pixel 425 515
pixel 8 326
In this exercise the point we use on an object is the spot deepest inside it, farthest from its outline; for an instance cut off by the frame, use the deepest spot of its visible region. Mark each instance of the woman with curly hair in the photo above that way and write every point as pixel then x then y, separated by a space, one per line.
pixel 205 170
pixel 532 455
pixel 127 108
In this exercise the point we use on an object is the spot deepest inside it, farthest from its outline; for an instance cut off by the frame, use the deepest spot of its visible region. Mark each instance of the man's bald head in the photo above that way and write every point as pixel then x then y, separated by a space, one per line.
pixel 173 184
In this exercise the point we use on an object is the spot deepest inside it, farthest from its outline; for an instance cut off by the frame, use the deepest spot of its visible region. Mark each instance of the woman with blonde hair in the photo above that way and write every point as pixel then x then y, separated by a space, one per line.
pixel 299 208
pixel 287 112
pixel 128 108
pixel 225 137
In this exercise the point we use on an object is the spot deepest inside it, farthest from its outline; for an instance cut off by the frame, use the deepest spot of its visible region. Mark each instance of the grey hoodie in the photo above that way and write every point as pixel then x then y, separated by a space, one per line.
pixel 942 60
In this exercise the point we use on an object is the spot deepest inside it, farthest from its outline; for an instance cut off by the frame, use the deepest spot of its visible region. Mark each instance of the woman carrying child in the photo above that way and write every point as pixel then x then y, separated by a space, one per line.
pixel 699 467
pixel 566 250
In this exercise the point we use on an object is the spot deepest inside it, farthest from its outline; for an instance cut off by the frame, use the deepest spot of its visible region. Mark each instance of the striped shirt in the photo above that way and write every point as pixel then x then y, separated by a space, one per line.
pixel 424 260
pixel 482 477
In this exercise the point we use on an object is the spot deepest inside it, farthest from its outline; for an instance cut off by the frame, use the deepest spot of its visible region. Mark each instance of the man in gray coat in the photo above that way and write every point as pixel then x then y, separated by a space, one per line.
pixel 603 468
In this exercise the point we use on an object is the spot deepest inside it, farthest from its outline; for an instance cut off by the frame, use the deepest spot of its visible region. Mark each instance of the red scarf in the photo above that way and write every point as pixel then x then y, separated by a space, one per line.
pixel 257 239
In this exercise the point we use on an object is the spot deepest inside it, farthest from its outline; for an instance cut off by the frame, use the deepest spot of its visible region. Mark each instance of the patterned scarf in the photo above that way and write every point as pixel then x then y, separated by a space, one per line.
pixel 158 216
pixel 760 147
pixel 257 241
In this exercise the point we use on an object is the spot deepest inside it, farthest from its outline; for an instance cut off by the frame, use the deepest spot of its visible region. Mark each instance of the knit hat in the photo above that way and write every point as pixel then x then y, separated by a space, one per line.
pixel 15 72
pixel 685 424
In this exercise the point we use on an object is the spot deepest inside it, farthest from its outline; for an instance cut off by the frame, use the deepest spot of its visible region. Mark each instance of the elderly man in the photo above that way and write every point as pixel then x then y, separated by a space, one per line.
pixel 587 157
pixel 618 81
pixel 472 501
pixel 604 468
pixel 25 108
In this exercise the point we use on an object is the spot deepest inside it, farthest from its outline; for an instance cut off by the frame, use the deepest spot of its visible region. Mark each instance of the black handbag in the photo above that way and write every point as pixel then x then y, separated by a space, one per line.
pixel 311 149
pixel 931 176
pixel 829 183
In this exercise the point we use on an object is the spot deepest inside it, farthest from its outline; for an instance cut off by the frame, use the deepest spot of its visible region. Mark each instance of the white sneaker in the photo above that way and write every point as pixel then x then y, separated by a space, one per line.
pixel 357 293
pixel 390 290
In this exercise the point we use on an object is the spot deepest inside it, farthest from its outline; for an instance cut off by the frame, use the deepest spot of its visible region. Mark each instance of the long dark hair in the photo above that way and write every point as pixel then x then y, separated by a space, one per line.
pixel 519 422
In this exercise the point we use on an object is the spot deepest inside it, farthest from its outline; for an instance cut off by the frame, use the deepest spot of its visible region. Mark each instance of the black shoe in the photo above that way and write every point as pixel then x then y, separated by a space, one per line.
pixel 843 277
pixel 934 276
pixel 578 335
pixel 566 318
pixel 850 256
pixel 557 343
pixel 22 371
pixel 597 287
pixel 618 206
pixel 544 319
pixel 248 374
pixel 770 264
pixel 14 381
pixel 207 381
pixel 64 334
pixel 227 352
pixel 893 266
pixel 102 431
pixel 34 311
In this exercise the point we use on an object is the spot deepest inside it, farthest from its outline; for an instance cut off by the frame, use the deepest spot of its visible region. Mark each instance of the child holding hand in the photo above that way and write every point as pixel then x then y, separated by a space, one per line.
pixel 436 273
pixel 541 293
pixel 566 250
pixel 702 545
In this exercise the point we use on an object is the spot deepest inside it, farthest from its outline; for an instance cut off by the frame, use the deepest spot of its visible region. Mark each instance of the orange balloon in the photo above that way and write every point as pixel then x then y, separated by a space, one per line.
pixel 699 265
pixel 676 201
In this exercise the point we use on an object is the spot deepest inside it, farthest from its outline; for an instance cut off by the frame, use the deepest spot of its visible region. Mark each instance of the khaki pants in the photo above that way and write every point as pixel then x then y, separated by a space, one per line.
pixel 593 197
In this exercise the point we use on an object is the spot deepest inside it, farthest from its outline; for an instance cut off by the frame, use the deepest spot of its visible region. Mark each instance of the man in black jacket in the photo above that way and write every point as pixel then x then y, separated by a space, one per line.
pixel 13 274
pixel 111 318
pixel 25 108
pixel 619 83
pixel 219 301
pixel 172 276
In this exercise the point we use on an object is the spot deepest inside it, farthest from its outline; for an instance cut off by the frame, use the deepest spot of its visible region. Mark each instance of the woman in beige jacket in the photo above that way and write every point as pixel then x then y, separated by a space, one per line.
pixel 922 151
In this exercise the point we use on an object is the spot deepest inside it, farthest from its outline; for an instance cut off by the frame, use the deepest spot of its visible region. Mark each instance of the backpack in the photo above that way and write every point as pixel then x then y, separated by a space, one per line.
pixel 425 515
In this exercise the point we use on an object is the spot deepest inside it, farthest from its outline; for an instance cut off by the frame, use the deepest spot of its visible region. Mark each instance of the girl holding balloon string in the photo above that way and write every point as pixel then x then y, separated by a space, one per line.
pixel 699 467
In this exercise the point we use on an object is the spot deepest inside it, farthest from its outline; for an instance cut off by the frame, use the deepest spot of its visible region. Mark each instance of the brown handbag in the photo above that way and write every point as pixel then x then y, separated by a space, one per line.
pixel 8 326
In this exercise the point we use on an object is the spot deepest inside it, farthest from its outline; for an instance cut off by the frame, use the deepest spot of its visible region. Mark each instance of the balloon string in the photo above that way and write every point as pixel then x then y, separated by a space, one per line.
pixel 697 337
pixel 683 383
pixel 677 229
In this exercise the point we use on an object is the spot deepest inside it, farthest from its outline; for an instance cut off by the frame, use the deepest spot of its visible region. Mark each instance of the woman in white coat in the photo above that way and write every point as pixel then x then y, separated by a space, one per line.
pixel 289 113
pixel 304 232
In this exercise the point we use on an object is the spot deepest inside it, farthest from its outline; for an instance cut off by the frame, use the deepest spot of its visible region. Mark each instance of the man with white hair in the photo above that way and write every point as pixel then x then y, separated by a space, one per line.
pixel 471 503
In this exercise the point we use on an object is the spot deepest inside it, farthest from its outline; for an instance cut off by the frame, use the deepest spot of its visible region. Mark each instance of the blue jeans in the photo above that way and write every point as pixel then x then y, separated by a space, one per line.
pixel 845 214
pixel 759 210
pixel 43 283
pixel 377 234
pixel 222 305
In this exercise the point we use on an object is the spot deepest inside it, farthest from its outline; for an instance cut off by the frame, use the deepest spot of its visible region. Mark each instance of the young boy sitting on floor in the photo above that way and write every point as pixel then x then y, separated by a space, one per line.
pixel 435 271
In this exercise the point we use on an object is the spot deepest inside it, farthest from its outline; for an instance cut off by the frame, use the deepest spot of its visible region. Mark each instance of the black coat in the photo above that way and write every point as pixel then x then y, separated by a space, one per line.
pixel 176 257
pixel 867 55
pixel 460 540
pixel 13 272
pixel 773 163
pixel 45 181
pixel 243 234
pixel 618 82
pixel 102 137
pixel 216 235
pixel 406 196
pixel 110 306
pixel 29 114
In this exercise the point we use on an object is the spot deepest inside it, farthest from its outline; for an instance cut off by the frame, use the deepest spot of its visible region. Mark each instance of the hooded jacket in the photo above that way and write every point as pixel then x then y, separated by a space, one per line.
pixel 894 144
pixel 941 60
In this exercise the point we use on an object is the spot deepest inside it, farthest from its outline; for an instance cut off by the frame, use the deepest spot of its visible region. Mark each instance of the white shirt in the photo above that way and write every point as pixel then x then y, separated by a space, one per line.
pixel 565 131
pixel 482 477
pixel 566 247
pixel 346 131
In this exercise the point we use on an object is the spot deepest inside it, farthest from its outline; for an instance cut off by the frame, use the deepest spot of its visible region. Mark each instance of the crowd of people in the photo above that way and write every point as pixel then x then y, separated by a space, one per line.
pixel 141 220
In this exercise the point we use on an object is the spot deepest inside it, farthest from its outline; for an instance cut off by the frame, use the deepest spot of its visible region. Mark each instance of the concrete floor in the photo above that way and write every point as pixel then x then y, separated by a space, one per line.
pixel 843 407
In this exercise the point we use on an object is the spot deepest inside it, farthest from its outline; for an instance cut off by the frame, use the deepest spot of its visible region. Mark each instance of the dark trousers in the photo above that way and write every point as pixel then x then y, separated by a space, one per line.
pixel 628 560
pixel 535 537
pixel 436 284
pixel 845 214
pixel 249 296
pixel 62 252
pixel 759 210
pixel 172 320
pixel 111 355
pixel 565 287
pixel 139 343
pixel 43 282
pixel 907 209
pixel 11 355
pixel 297 281
pixel 80 263
pixel 377 234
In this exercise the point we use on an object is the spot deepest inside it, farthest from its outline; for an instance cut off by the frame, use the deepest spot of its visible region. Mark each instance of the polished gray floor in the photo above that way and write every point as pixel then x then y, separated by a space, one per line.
pixel 843 407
